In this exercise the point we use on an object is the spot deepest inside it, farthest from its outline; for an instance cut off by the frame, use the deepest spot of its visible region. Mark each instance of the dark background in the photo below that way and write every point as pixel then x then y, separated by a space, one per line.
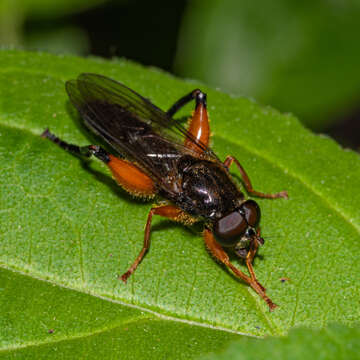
pixel 301 58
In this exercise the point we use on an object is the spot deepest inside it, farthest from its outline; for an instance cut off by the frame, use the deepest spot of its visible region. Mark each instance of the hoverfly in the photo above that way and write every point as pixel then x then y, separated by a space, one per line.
pixel 156 155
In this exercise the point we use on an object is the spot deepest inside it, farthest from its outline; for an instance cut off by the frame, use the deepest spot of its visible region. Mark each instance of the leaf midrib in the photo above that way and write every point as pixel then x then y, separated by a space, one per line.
pixel 79 336
pixel 152 315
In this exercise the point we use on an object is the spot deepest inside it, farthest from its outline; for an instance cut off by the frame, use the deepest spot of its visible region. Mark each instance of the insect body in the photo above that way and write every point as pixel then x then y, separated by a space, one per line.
pixel 156 155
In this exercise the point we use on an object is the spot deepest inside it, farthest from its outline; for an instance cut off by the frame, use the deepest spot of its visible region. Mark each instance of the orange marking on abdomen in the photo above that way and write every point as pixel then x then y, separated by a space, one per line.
pixel 130 177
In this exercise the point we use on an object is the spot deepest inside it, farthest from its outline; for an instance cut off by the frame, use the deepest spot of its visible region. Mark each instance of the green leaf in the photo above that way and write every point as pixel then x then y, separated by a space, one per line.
pixel 42 319
pixel 66 222
pixel 332 343
pixel 300 57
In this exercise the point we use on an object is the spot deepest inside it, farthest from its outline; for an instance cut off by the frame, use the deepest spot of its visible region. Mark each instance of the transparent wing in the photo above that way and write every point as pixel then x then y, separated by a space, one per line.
pixel 131 124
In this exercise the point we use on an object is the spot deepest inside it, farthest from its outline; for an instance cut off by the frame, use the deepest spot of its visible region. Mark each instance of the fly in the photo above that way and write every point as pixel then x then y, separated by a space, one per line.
pixel 155 155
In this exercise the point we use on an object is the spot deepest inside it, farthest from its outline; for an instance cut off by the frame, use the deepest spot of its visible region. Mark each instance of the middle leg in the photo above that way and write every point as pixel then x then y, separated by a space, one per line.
pixel 168 211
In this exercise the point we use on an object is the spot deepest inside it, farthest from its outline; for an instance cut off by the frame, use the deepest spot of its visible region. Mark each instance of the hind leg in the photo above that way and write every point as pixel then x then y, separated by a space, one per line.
pixel 127 175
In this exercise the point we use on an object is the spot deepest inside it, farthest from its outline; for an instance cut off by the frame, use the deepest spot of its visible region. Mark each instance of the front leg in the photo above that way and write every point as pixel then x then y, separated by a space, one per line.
pixel 218 252
pixel 230 159
pixel 254 245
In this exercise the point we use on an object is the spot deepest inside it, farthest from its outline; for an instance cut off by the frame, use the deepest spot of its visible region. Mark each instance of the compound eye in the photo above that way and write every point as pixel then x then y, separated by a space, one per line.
pixel 252 212
pixel 229 228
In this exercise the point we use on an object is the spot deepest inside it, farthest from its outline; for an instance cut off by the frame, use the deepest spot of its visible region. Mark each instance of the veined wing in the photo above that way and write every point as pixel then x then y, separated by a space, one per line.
pixel 132 125
pixel 90 88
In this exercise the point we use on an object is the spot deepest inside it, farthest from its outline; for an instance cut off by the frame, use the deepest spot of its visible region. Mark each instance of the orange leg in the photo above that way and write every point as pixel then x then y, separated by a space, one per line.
pixel 168 211
pixel 254 245
pixel 199 127
pixel 249 260
pixel 219 253
pixel 128 175
pixel 229 160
